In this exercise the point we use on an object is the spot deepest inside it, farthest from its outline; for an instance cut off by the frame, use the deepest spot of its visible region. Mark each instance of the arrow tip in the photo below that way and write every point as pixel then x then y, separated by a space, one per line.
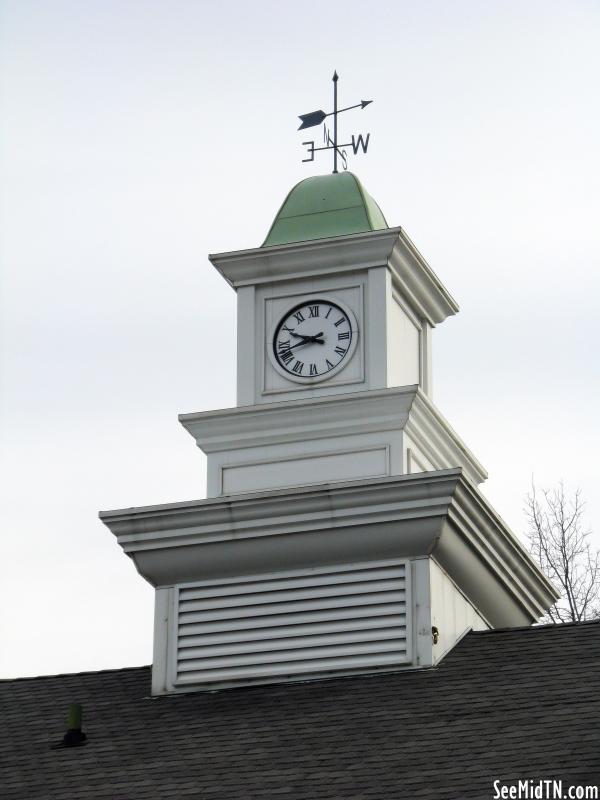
pixel 335 75
pixel 364 103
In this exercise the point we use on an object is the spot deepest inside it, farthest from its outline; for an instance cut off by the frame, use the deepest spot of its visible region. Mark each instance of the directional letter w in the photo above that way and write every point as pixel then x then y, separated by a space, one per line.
pixel 358 141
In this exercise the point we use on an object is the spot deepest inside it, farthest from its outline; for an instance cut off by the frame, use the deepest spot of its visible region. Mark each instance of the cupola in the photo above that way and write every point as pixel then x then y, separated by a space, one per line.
pixel 343 530
pixel 324 206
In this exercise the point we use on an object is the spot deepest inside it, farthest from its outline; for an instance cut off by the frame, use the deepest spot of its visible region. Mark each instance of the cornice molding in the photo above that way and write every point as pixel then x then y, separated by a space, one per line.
pixel 395 409
pixel 436 513
pixel 300 259
pixel 307 418
pixel 391 247
pixel 439 441
pixel 413 277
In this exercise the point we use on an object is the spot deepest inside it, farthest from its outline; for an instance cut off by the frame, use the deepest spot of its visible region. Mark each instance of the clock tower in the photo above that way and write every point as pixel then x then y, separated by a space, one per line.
pixel 343 530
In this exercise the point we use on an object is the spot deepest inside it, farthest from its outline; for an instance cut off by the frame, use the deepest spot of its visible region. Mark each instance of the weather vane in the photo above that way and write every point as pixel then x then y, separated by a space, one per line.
pixel 317 117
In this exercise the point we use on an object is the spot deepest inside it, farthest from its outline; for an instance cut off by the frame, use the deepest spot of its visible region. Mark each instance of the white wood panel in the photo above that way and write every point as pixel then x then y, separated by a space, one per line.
pixel 403 342
pixel 307 469
pixel 451 612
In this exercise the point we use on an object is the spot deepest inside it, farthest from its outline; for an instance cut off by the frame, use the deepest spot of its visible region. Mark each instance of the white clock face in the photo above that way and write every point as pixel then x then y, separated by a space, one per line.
pixel 314 340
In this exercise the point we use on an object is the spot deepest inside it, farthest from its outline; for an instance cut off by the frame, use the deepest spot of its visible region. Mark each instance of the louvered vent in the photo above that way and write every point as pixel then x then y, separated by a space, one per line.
pixel 291 624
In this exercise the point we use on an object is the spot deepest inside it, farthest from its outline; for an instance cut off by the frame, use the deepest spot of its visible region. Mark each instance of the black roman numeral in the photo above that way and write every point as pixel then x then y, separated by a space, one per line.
pixel 339 350
pixel 298 367
pixel 313 311
pixel 329 364
pixel 313 369
pixel 286 356
pixel 289 330
pixel 299 317
pixel 329 312
pixel 340 321
pixel 345 335
pixel 284 345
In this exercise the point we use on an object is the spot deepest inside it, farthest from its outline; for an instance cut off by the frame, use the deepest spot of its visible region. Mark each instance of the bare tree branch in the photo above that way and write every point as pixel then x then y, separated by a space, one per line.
pixel 559 543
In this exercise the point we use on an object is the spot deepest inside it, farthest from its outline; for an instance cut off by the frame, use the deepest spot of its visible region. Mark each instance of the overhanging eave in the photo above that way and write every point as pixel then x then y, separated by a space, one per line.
pixel 434 513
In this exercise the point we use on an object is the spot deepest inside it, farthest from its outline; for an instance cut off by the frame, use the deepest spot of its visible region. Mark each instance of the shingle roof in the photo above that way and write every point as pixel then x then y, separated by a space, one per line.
pixel 513 704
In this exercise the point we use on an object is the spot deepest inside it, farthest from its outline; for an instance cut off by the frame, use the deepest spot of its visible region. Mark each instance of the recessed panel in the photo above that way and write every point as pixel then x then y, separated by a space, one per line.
pixel 307 469
pixel 328 356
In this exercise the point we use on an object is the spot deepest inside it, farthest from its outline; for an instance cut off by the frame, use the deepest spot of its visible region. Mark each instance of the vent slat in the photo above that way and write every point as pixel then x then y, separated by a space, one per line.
pixel 326 651
pixel 191 639
pixel 239 612
pixel 287 595
pixel 380 610
pixel 291 669
pixel 276 584
pixel 293 623
pixel 290 643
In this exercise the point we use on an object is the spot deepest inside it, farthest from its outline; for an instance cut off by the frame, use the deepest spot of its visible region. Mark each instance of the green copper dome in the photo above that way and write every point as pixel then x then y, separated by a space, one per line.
pixel 326 205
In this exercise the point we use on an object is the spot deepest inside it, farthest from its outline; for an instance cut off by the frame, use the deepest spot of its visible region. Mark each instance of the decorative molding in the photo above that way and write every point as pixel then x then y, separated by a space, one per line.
pixel 412 461
pixel 412 276
pixel 304 259
pixel 438 441
pixel 403 408
pixel 439 514
pixel 302 419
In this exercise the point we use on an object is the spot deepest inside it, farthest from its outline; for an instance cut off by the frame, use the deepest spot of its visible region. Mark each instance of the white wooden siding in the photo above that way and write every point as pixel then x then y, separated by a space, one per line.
pixel 291 624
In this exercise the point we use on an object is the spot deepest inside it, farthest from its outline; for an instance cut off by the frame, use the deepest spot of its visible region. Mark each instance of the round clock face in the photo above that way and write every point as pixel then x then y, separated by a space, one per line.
pixel 314 340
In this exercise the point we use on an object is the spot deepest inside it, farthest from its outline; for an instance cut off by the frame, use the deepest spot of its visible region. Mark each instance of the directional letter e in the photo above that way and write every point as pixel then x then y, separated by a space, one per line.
pixel 311 151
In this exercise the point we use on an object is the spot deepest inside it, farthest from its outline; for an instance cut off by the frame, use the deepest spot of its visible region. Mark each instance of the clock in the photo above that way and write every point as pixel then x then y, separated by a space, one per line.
pixel 313 340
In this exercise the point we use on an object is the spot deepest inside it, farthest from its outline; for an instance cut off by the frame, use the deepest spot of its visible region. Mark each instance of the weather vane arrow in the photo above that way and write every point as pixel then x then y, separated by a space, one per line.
pixel 317 117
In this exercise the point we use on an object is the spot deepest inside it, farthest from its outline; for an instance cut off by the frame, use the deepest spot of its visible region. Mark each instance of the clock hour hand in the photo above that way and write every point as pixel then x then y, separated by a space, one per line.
pixel 305 337
pixel 308 340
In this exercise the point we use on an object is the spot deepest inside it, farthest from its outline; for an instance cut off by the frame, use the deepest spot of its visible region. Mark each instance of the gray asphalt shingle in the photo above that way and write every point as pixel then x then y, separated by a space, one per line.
pixel 510 705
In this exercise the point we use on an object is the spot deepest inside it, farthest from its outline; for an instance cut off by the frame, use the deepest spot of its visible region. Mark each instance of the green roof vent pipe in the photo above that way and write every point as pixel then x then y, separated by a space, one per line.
pixel 74 737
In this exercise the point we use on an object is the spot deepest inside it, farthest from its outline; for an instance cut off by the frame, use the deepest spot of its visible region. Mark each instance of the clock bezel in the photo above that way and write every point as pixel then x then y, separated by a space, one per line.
pixel 311 300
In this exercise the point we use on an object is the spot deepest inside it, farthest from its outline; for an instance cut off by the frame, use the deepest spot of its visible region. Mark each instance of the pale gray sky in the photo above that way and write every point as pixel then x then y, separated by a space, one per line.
pixel 136 137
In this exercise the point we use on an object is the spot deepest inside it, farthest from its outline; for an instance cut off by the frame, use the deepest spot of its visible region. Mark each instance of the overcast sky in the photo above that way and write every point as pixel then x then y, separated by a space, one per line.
pixel 136 137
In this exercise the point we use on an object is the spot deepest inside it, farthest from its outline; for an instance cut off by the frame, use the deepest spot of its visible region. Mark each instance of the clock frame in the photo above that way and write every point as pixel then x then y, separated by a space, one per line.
pixel 323 315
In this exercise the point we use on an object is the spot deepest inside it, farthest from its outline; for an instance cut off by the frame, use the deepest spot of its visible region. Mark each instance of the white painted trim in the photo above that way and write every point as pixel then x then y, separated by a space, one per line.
pixel 376 348
pixel 390 247
pixel 412 460
pixel 160 644
pixel 246 335
pixel 410 611
pixel 422 643
pixel 172 639
pixel 432 513
pixel 396 409
pixel 425 358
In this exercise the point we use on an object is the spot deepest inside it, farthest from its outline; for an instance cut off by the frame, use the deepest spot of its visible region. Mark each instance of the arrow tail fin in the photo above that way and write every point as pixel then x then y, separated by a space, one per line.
pixel 312 119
